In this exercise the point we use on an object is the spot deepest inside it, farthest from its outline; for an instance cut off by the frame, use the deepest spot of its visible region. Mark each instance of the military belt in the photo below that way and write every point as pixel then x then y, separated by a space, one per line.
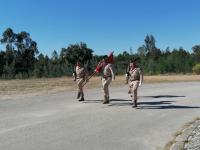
pixel 106 77
pixel 134 80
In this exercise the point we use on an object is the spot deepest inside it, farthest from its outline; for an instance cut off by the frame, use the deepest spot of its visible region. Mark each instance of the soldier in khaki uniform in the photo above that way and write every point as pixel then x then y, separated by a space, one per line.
pixel 107 76
pixel 136 79
pixel 80 79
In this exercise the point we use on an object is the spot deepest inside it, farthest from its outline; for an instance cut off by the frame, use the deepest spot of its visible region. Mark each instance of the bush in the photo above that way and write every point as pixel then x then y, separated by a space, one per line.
pixel 196 69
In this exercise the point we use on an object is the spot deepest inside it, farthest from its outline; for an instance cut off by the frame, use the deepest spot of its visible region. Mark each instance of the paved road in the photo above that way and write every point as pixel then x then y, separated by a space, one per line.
pixel 58 122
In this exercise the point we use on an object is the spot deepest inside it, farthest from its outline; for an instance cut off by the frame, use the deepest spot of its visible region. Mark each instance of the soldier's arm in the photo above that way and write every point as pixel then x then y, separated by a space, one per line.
pixel 74 74
pixel 86 74
pixel 128 69
pixel 141 77
pixel 112 72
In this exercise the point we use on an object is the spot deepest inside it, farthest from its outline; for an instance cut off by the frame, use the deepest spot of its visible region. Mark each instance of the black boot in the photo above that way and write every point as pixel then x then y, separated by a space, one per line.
pixel 78 95
pixel 135 104
pixel 106 100
pixel 82 99
pixel 129 91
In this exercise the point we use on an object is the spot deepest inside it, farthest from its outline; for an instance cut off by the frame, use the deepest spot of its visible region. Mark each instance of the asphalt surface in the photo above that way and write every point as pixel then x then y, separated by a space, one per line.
pixel 59 122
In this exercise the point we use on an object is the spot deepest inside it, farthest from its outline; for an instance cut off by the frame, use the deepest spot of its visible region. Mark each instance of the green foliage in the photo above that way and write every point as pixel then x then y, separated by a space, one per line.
pixel 196 69
pixel 77 52
pixel 20 59
pixel 150 47
pixel 19 56
pixel 196 50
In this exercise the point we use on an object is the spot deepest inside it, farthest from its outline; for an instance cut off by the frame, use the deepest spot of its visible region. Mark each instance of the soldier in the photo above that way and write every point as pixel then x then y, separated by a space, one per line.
pixel 107 76
pixel 80 79
pixel 136 79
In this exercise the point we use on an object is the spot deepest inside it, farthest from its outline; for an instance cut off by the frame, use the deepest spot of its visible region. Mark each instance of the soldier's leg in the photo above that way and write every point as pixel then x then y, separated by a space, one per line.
pixel 81 90
pixel 126 78
pixel 78 95
pixel 134 90
pixel 107 88
pixel 105 83
pixel 82 97
pixel 103 80
pixel 135 97
pixel 130 88
pixel 78 89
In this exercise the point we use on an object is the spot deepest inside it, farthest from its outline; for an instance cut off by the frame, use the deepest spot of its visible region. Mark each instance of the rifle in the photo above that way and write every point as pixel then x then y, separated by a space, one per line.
pixel 97 70
pixel 74 74
pixel 99 67
pixel 127 75
pixel 89 78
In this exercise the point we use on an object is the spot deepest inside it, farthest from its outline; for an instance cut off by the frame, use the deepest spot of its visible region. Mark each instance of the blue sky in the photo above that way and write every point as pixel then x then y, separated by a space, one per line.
pixel 104 25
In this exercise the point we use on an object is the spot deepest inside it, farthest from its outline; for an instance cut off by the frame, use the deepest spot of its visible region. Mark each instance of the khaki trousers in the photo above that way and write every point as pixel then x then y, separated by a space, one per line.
pixel 133 89
pixel 80 82
pixel 105 83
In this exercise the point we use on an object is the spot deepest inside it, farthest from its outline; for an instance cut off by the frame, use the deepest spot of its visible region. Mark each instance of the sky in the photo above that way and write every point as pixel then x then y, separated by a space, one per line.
pixel 104 25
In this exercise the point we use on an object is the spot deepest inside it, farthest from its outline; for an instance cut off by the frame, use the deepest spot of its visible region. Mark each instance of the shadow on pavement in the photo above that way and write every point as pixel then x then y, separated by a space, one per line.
pixel 147 104
pixel 168 107
pixel 163 96
pixel 152 104
pixel 100 101
pixel 120 102
pixel 156 103
pixel 92 101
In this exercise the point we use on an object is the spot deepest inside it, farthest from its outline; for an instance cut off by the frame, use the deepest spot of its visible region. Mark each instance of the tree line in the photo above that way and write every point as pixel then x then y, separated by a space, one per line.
pixel 21 58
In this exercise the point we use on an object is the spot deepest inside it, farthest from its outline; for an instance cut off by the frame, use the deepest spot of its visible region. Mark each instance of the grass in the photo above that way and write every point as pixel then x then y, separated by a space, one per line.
pixel 171 78
pixel 48 85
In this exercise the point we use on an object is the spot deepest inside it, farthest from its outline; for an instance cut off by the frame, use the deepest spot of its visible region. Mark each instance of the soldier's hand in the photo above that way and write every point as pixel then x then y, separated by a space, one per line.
pixel 140 83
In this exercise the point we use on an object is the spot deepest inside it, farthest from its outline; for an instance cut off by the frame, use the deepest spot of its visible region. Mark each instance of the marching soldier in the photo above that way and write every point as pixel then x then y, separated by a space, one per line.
pixel 107 76
pixel 81 77
pixel 136 79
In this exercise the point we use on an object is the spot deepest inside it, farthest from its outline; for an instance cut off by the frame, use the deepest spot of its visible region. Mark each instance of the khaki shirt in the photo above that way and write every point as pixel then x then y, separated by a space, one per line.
pixel 135 74
pixel 108 71
pixel 81 72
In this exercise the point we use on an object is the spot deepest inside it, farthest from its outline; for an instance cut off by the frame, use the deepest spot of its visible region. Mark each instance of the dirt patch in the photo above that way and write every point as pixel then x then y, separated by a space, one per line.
pixel 171 78
pixel 32 87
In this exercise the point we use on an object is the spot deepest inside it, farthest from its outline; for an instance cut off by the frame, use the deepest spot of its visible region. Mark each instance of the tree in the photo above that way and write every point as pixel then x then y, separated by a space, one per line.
pixel 27 49
pixel 2 62
pixel 54 57
pixel 39 66
pixel 77 52
pixel 8 38
pixel 20 52
pixel 196 51
pixel 142 51
pixel 151 48
pixel 55 66
pixel 196 69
